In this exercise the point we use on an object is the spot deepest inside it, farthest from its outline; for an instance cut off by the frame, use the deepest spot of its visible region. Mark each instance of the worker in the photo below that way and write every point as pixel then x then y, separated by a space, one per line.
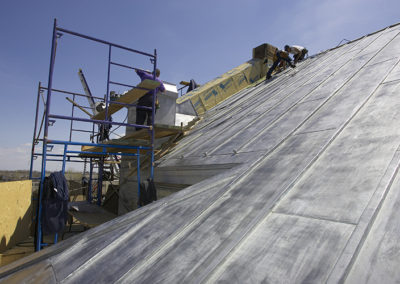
pixel 280 56
pixel 147 100
pixel 104 129
pixel 192 85
pixel 298 52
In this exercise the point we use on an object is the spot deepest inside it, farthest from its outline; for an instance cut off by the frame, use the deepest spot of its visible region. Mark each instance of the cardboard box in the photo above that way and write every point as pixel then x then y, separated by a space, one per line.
pixel 264 51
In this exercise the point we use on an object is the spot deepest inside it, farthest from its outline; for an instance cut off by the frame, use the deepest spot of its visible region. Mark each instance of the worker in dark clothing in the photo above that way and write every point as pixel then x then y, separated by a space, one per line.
pixel 280 56
pixel 104 131
pixel 298 52
pixel 147 99
pixel 192 85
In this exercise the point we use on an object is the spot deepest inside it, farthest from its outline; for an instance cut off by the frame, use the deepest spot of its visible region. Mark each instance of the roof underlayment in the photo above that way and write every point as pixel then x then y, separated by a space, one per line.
pixel 311 193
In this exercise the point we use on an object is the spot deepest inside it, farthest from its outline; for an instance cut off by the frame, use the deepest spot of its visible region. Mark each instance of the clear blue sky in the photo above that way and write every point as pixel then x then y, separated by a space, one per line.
pixel 194 39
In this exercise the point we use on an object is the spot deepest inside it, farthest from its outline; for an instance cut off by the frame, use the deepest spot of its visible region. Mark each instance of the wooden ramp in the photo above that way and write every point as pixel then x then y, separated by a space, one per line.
pixel 130 97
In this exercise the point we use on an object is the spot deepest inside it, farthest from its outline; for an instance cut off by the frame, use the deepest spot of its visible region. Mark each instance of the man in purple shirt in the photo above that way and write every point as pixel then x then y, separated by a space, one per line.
pixel 147 99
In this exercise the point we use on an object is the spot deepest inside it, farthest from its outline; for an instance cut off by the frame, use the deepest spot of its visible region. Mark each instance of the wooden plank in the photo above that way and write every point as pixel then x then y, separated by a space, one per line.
pixel 111 149
pixel 22 249
pixel 108 150
pixel 136 138
pixel 112 162
pixel 160 131
pixel 15 253
pixel 130 97
pixel 78 106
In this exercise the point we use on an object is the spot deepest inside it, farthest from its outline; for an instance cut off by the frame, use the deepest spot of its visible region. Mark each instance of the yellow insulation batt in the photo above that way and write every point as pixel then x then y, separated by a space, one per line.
pixel 217 90
pixel 15 212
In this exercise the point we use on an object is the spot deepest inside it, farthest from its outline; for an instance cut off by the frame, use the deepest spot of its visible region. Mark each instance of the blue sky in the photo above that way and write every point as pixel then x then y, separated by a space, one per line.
pixel 194 39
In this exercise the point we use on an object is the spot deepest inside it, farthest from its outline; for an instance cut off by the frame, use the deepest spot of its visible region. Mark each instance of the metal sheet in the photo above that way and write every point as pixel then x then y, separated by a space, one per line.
pixel 378 260
pixel 342 181
pixel 285 249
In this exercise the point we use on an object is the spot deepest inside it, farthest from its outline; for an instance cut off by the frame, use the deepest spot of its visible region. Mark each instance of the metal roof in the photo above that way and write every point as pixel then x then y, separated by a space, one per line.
pixel 311 193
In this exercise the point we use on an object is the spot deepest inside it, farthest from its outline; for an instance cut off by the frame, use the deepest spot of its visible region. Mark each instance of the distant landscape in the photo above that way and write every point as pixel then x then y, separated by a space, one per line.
pixel 24 175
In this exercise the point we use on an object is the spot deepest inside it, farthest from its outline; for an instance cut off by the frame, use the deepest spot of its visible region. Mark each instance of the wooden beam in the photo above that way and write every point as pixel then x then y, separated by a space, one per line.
pixel 78 106
pixel 136 138
pixel 129 98
pixel 160 131
pixel 112 162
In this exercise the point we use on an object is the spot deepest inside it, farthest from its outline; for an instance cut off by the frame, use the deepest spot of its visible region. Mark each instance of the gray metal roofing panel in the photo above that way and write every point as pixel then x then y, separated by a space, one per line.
pixel 313 197
pixel 283 248
pixel 349 170
pixel 378 259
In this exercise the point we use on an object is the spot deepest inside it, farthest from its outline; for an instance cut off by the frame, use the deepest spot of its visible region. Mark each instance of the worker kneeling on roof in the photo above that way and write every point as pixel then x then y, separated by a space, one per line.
pixel 143 114
pixel 279 56
pixel 298 52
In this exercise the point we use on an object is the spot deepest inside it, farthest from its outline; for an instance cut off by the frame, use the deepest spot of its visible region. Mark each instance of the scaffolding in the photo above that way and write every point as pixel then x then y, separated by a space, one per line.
pixel 96 152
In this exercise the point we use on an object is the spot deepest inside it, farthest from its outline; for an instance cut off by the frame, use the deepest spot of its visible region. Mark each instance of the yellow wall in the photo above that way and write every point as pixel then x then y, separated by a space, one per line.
pixel 15 212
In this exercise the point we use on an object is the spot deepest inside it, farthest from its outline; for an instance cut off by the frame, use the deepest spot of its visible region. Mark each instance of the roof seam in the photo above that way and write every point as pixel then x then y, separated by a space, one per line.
pixel 314 218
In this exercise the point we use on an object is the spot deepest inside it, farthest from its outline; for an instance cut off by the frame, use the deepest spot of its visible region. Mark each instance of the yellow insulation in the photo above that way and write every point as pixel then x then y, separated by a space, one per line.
pixel 219 89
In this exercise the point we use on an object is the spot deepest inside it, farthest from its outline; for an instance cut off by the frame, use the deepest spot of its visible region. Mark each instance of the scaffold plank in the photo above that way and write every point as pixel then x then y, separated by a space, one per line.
pixel 129 98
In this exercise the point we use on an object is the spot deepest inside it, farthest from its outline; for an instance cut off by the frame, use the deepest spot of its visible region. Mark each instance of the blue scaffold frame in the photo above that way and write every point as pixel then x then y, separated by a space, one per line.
pixel 75 156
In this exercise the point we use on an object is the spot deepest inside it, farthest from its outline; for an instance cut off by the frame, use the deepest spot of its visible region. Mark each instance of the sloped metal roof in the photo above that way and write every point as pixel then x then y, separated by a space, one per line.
pixel 314 196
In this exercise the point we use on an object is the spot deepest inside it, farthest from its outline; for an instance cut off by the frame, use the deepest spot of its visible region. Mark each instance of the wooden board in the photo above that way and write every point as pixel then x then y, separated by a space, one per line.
pixel 129 98
pixel 90 215
pixel 136 138
pixel 160 132
pixel 111 149
pixel 16 253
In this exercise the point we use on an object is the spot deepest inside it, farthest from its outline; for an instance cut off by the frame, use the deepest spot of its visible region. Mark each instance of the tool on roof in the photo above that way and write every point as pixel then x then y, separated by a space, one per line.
pixel 191 84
